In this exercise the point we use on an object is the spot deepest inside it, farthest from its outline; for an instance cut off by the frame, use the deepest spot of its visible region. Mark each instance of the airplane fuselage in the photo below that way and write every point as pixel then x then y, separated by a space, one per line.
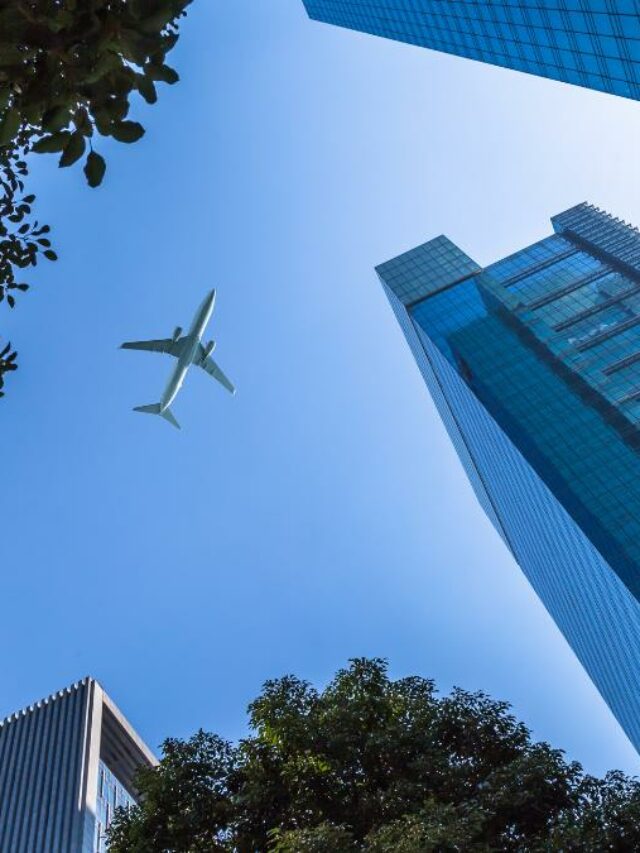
pixel 191 344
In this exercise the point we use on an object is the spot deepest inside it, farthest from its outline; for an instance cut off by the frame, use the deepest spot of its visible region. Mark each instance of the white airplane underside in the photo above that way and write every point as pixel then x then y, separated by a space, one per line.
pixel 188 350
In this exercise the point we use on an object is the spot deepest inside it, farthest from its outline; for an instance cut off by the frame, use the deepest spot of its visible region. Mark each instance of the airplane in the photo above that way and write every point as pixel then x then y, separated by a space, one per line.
pixel 188 349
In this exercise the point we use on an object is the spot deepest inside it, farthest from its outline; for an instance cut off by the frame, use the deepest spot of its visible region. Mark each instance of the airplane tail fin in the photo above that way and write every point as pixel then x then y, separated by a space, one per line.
pixel 156 409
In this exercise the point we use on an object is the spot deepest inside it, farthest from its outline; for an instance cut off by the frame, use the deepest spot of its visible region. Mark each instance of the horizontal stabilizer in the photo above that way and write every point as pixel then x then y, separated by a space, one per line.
pixel 153 409
pixel 156 409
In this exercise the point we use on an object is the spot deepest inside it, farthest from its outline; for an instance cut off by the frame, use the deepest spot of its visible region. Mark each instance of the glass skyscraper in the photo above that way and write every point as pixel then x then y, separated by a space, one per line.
pixel 534 365
pixel 66 763
pixel 593 43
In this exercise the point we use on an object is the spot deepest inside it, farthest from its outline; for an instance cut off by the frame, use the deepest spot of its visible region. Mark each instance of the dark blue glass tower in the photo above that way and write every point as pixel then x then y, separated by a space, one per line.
pixel 593 43
pixel 534 364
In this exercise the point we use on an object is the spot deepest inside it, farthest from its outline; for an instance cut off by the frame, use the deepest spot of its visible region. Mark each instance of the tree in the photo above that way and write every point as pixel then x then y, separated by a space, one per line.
pixel 67 71
pixel 377 765
pixel 21 241
pixel 7 363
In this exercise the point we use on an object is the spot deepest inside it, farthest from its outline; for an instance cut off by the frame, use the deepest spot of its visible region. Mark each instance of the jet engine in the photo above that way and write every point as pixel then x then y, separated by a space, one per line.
pixel 177 333
pixel 209 349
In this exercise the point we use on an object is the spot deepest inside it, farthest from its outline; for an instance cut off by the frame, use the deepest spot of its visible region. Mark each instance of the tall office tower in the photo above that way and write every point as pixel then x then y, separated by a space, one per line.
pixel 534 365
pixel 593 43
pixel 65 764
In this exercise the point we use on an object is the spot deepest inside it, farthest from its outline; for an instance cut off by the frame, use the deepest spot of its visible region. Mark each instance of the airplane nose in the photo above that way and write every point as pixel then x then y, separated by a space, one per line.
pixel 208 302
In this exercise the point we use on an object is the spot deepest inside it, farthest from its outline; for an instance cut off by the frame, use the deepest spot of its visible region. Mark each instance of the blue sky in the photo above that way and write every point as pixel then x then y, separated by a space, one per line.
pixel 321 513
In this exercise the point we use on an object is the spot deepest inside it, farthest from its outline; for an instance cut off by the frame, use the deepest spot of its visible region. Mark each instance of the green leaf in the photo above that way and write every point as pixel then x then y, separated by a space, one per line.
pixel 50 255
pixel 147 89
pixel 73 150
pixel 132 46
pixel 83 122
pixel 9 126
pixel 56 119
pixel 10 54
pixel 156 23
pixel 94 169
pixel 117 109
pixel 127 131
pixel 162 72
pixel 102 120
pixel 107 62
pixel 51 144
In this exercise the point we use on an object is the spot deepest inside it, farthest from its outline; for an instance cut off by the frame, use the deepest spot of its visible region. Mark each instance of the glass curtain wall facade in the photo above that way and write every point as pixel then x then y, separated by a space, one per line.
pixel 593 43
pixel 112 795
pixel 534 364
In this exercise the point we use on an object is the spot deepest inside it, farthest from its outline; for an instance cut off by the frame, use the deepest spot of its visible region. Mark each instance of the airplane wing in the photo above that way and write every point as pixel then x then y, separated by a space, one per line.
pixel 210 367
pixel 165 345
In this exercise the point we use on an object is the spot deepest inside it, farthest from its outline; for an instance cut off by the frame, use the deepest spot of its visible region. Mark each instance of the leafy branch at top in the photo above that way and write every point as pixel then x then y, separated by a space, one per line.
pixel 69 67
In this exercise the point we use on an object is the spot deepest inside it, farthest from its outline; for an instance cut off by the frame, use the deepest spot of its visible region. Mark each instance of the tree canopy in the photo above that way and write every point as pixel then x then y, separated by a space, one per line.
pixel 378 765
pixel 68 69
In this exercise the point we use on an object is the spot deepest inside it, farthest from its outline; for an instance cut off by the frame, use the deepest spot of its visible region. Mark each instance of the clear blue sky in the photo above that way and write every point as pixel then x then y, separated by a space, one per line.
pixel 321 513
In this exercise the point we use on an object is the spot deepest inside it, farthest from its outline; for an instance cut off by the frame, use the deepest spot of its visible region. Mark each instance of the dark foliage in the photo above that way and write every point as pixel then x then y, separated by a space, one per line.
pixel 7 364
pixel 371 764
pixel 69 67
pixel 21 240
